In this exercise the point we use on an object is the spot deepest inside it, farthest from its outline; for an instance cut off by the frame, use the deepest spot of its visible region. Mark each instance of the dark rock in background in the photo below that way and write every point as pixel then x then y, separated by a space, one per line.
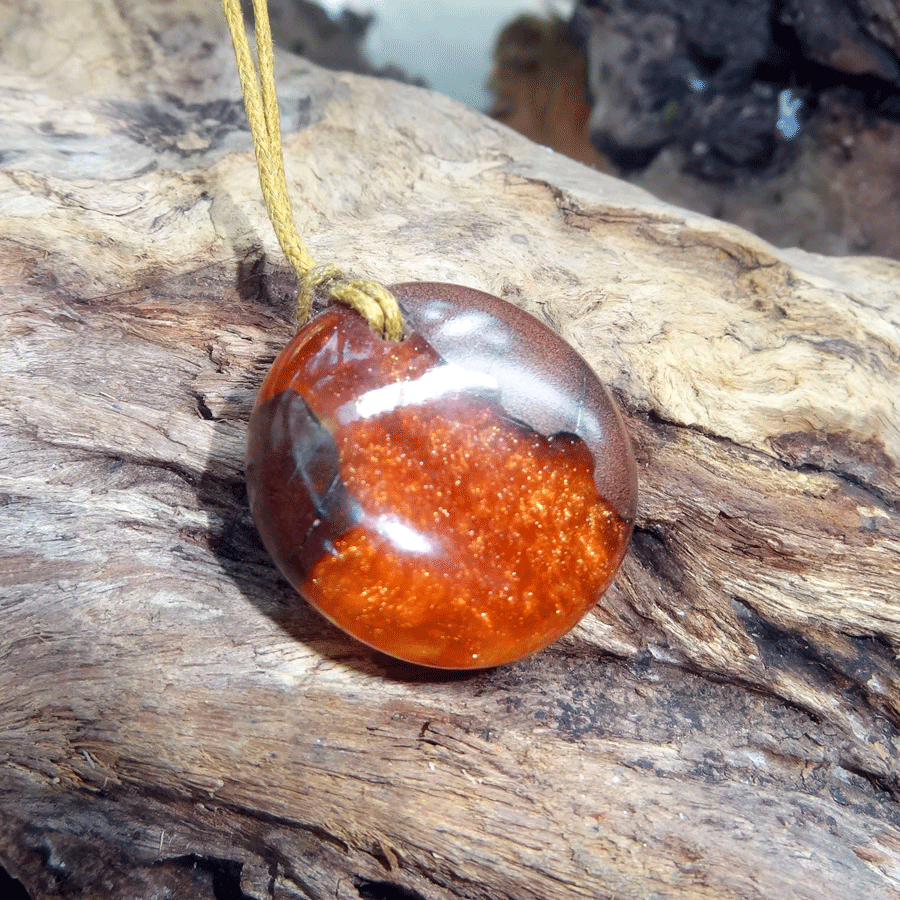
pixel 782 117
pixel 709 78
pixel 664 73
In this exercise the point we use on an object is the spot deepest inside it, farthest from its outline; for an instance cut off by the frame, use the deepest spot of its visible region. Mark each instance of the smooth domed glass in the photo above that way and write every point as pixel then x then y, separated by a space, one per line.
pixel 459 499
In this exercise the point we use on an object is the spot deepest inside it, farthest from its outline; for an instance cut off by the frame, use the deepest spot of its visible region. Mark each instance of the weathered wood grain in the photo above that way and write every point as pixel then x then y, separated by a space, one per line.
pixel 725 725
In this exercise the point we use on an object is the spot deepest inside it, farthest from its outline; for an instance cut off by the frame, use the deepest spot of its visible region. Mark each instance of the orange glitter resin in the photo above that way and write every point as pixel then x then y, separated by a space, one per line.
pixel 405 500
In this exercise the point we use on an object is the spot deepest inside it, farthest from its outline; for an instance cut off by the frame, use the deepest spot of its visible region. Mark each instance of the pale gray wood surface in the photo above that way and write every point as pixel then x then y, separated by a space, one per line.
pixel 723 726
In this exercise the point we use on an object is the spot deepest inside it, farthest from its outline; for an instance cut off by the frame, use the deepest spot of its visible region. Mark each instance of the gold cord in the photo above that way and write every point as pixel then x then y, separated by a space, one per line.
pixel 371 300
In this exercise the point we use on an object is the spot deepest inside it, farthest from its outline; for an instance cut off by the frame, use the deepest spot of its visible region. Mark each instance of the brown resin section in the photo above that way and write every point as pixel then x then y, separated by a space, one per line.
pixel 432 526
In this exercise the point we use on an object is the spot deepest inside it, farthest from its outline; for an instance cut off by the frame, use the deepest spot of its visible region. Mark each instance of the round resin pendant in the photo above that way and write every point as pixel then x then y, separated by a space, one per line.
pixel 458 499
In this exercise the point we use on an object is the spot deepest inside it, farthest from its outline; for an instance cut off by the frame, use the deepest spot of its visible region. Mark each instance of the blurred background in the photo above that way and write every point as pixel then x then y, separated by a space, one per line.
pixel 782 116
pixel 448 44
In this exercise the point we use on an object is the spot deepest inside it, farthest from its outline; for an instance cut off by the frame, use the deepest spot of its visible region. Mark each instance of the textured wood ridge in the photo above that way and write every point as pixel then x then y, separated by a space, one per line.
pixel 173 723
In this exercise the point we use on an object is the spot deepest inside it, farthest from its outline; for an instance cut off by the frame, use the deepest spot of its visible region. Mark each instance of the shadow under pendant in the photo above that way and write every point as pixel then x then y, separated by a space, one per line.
pixel 459 499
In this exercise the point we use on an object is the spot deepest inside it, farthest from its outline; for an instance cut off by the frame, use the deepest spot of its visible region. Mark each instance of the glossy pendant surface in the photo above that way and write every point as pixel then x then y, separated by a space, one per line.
pixel 459 499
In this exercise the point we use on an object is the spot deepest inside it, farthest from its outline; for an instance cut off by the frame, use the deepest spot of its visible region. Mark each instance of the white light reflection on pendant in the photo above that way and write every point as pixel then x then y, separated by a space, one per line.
pixel 403 537
pixel 433 384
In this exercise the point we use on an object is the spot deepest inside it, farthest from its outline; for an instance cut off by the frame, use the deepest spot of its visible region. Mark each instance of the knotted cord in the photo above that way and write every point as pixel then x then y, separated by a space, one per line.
pixel 371 300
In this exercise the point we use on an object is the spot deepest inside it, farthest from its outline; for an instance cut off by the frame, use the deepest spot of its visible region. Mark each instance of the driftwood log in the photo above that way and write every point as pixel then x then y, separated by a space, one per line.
pixel 175 723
